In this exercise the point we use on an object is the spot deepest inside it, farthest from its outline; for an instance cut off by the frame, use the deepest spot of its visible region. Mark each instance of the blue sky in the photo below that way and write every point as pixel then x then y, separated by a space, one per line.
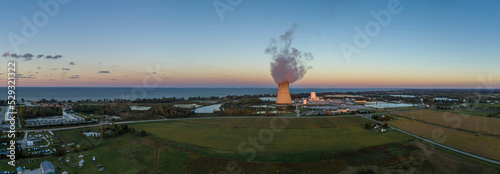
pixel 435 44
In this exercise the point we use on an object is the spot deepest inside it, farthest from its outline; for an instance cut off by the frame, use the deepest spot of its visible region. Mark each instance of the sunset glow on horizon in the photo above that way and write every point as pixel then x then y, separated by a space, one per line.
pixel 427 44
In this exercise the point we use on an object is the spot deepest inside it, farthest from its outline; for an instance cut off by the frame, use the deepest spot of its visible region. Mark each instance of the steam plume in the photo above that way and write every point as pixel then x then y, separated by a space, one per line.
pixel 287 64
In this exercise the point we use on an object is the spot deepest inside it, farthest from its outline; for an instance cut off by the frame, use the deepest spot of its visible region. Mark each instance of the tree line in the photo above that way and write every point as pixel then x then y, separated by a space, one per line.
pixel 38 111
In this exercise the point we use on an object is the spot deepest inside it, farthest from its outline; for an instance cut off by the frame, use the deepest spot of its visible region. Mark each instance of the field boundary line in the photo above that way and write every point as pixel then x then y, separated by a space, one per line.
pixel 442 146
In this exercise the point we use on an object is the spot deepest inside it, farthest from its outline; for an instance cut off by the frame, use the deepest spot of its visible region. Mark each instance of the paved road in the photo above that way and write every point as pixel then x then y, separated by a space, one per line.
pixel 437 144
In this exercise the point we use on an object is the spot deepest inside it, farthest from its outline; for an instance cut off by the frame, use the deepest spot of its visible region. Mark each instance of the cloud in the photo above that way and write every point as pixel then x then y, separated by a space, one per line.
pixel 65 69
pixel 54 68
pixel 29 56
pixel 39 68
pixel 21 76
pixel 101 72
pixel 74 77
pixel 114 79
pixel 53 57
pixel 72 63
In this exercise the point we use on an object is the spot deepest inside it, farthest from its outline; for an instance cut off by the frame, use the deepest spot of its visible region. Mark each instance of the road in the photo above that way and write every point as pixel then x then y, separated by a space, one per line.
pixel 362 115
pixel 437 144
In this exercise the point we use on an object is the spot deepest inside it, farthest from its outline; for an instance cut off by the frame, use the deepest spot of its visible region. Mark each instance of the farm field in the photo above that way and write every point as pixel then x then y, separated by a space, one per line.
pixel 477 112
pixel 293 123
pixel 484 125
pixel 292 144
pixel 487 105
pixel 484 145
pixel 328 145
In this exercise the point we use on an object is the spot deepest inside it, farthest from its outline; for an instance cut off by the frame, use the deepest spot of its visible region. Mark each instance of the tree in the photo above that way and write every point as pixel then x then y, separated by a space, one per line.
pixel 59 151
pixel 386 125
pixel 143 133
pixel 368 125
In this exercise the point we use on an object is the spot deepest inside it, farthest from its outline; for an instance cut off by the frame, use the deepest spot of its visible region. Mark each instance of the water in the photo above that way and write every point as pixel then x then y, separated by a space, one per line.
pixel 387 105
pixel 403 96
pixel 268 98
pixel 95 93
pixel 207 109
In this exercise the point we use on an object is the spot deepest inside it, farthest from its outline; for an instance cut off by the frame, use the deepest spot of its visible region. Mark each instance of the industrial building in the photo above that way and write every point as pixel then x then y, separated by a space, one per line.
pixel 283 97
pixel 47 168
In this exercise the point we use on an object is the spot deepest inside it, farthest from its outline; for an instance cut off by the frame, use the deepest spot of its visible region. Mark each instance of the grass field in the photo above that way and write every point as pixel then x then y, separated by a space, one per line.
pixel 294 123
pixel 110 159
pixel 484 145
pixel 478 124
pixel 301 141
pixel 486 105
pixel 306 145
pixel 477 112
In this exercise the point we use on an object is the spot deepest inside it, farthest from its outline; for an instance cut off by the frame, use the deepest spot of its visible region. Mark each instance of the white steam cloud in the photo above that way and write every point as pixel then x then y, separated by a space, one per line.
pixel 287 63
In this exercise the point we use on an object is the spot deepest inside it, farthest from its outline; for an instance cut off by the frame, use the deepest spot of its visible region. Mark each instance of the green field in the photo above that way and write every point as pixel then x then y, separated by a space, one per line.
pixel 470 123
pixel 305 145
pixel 301 141
pixel 486 105
pixel 483 145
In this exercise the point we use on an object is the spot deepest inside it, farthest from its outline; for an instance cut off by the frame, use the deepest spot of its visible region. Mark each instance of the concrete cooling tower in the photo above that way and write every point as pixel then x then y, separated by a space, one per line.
pixel 283 94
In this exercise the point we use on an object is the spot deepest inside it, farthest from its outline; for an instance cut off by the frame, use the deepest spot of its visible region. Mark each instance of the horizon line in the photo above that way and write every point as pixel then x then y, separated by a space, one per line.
pixel 396 88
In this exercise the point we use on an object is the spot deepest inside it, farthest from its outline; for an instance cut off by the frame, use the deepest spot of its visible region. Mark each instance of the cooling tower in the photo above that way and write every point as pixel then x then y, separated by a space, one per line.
pixel 283 94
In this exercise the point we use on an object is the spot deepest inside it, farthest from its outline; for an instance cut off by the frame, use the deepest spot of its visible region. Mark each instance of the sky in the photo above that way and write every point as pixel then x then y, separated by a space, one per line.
pixel 188 43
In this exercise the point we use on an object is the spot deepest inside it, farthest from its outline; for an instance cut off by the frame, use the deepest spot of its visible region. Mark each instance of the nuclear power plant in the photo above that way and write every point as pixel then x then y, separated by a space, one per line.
pixel 283 94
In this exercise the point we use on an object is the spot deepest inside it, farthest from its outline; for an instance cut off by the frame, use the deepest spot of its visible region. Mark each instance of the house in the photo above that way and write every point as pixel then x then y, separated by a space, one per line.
pixel 47 168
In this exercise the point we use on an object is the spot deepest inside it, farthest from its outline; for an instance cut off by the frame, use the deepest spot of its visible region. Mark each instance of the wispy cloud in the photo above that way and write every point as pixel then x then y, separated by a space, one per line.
pixel 72 63
pixel 29 56
pixel 65 69
pixel 75 77
pixel 101 72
